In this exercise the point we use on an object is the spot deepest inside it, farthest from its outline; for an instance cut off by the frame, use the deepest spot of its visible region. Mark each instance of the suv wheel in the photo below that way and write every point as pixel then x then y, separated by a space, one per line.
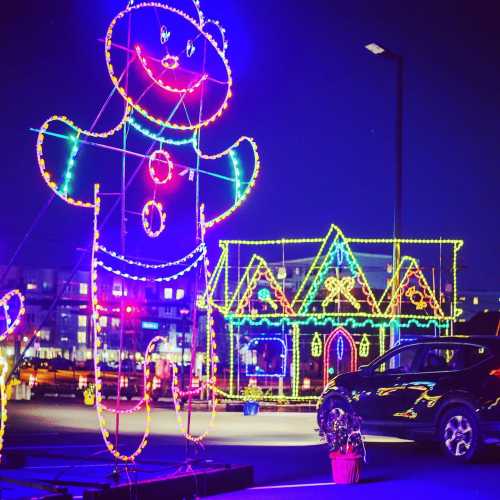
pixel 459 434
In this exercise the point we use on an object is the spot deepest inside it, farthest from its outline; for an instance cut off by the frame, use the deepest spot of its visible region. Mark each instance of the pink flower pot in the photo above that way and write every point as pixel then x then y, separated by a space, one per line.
pixel 345 467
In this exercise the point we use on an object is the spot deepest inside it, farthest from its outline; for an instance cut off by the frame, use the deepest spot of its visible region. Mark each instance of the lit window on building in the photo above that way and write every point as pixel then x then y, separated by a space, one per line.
pixel 168 293
pixel 103 321
pixel 179 293
pixel 82 337
pixel 31 286
pixel 115 322
pixel 281 273
pixel 118 290
pixel 150 325
pixel 475 300
pixel 82 320
pixel 84 288
pixel 44 334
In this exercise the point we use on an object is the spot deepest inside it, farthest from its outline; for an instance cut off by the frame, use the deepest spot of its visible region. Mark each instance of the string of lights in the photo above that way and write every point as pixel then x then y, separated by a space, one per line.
pixel 11 323
pixel 171 277
pixel 200 248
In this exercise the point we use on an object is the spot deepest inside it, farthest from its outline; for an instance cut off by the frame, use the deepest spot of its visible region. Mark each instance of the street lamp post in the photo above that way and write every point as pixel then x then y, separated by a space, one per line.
pixel 398 173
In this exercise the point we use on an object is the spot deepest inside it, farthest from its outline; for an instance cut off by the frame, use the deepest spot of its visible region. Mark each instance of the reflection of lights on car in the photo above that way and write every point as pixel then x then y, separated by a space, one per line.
pixel 410 414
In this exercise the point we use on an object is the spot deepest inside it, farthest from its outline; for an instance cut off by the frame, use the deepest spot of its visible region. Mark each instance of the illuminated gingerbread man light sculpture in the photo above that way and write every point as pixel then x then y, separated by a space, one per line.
pixel 172 73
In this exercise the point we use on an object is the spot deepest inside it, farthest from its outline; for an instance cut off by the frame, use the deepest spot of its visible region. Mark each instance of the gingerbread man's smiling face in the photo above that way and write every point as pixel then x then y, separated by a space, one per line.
pixel 170 67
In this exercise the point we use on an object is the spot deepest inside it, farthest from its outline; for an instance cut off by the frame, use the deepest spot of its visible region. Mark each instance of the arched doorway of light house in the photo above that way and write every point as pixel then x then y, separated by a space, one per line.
pixel 339 354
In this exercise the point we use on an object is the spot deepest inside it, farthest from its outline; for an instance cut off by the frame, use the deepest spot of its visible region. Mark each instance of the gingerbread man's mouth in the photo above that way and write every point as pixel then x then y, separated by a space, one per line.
pixel 169 63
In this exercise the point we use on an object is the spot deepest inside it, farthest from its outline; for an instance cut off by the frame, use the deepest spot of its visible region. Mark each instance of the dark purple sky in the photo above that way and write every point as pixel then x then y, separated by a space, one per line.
pixel 319 105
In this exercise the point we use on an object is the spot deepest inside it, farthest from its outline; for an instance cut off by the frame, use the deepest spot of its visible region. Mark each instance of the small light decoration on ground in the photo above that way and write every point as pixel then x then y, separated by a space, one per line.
pixel 341 431
pixel 171 69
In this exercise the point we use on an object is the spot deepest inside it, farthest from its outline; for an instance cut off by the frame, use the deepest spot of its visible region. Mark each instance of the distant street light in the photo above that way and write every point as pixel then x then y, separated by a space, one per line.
pixel 378 50
pixel 374 48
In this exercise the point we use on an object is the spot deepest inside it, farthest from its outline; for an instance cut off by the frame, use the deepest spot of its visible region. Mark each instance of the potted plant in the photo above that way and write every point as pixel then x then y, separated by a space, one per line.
pixel 89 395
pixel 341 430
pixel 251 395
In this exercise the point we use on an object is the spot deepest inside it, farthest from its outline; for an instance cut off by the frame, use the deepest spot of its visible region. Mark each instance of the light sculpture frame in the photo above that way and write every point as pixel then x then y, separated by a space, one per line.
pixel 231 298
pixel 140 119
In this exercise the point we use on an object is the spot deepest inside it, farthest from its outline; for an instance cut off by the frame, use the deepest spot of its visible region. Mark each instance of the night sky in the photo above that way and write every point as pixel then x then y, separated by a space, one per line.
pixel 319 105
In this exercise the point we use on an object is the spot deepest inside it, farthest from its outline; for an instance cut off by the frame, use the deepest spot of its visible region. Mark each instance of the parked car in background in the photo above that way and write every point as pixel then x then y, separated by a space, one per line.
pixel 49 376
pixel 63 377
pixel 131 378
pixel 443 389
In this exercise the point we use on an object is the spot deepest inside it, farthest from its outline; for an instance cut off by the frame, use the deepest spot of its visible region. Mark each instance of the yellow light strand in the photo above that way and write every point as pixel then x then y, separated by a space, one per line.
pixel 10 326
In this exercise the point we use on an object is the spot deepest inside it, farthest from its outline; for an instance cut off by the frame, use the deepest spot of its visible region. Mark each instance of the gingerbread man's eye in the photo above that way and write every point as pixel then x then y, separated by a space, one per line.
pixel 164 35
pixel 190 48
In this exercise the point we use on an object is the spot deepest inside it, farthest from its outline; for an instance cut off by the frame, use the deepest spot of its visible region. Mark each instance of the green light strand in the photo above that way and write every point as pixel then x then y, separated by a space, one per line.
pixel 155 137
pixel 329 320
pixel 70 165
pixel 237 174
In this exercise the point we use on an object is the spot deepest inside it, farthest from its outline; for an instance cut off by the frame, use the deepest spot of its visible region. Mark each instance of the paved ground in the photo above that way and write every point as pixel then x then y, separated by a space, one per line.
pixel 60 441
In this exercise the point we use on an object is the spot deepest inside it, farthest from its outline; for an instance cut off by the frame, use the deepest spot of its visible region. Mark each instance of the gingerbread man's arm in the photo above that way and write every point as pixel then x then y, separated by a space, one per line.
pixel 74 134
pixel 242 189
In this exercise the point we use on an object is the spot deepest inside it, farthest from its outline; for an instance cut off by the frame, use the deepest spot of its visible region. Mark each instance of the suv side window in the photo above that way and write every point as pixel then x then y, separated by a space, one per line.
pixel 453 357
pixel 474 354
pixel 443 358
pixel 402 361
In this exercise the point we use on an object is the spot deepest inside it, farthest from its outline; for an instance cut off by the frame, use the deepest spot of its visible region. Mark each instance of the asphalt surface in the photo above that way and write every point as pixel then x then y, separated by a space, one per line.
pixel 58 442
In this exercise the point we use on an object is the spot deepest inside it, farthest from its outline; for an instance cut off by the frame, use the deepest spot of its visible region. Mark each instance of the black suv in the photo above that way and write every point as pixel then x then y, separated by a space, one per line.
pixel 443 389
